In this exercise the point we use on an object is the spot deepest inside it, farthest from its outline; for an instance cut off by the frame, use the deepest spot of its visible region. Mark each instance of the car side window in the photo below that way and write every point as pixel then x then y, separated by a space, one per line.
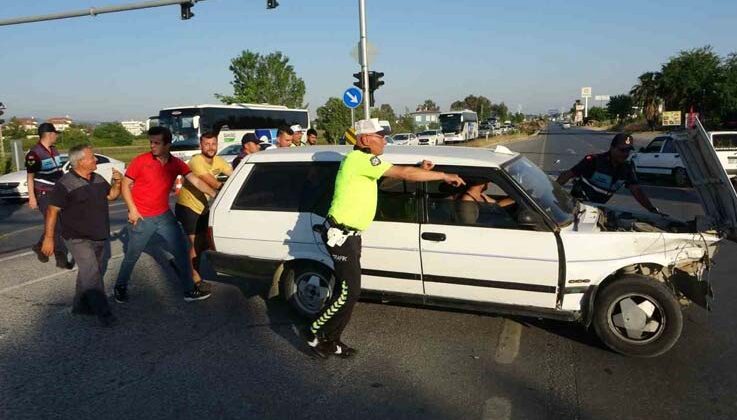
pixel 102 159
pixel 397 201
pixel 669 146
pixel 655 145
pixel 295 187
pixel 485 201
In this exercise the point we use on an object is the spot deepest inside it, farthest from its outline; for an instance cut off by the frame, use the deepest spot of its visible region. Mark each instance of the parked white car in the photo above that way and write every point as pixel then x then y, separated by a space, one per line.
pixel 544 254
pixel 404 139
pixel 725 144
pixel 430 138
pixel 660 157
pixel 15 185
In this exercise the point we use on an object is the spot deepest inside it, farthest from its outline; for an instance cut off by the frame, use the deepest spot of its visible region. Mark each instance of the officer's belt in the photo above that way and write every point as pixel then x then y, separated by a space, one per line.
pixel 347 230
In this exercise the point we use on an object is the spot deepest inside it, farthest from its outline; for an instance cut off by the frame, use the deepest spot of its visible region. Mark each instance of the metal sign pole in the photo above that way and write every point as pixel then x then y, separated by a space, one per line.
pixel 353 119
pixel 364 59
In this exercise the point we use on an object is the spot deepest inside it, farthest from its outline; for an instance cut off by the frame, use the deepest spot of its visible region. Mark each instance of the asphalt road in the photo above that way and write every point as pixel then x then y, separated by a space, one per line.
pixel 238 356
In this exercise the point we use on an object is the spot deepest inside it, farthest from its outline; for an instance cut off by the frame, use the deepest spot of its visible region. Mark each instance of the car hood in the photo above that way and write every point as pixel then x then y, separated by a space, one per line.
pixel 17 176
pixel 710 180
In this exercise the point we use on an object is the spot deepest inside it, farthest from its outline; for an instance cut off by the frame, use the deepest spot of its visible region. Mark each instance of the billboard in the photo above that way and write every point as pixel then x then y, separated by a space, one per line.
pixel 672 118
pixel 586 92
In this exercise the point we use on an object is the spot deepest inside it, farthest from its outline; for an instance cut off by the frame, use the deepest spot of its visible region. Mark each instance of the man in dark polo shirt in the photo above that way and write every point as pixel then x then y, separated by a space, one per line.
pixel 44 168
pixel 80 200
pixel 146 186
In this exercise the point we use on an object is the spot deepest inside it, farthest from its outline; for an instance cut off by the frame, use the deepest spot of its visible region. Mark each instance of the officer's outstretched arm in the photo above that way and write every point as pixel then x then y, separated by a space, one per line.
pixel 564 177
pixel 411 173
pixel 642 198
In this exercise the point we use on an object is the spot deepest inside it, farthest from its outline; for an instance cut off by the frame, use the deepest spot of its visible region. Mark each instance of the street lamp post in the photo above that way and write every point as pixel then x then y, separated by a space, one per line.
pixel 364 59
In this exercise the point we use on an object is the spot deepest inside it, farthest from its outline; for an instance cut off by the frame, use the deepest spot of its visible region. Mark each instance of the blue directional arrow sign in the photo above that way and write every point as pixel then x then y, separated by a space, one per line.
pixel 352 97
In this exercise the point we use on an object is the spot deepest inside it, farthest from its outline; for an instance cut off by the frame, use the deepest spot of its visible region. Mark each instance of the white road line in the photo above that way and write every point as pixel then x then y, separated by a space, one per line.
pixel 44 278
pixel 508 346
pixel 497 408
pixel 12 257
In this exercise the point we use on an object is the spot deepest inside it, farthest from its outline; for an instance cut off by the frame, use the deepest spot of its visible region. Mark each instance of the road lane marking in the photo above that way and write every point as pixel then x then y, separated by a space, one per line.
pixel 44 278
pixel 508 346
pixel 12 257
pixel 497 408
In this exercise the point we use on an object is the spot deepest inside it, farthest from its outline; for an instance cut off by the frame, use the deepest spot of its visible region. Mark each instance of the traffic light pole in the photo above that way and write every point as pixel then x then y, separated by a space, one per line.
pixel 364 59
pixel 94 11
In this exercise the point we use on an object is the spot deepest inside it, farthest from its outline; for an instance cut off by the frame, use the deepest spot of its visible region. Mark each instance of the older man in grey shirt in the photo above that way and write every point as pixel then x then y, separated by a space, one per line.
pixel 80 198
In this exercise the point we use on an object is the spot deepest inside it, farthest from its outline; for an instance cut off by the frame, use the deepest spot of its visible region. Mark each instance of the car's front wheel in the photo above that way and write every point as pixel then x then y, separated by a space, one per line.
pixel 638 316
pixel 307 286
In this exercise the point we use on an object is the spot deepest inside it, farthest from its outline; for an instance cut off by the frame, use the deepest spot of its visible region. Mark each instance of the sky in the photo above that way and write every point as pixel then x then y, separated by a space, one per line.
pixel 534 55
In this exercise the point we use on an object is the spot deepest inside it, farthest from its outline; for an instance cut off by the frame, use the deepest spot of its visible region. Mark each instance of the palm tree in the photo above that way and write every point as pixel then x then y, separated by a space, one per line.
pixel 646 94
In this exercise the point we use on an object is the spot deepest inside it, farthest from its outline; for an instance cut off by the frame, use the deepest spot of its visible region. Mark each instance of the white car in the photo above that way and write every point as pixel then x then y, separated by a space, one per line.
pixel 231 152
pixel 566 124
pixel 404 139
pixel 660 157
pixel 15 185
pixel 430 138
pixel 543 254
pixel 725 144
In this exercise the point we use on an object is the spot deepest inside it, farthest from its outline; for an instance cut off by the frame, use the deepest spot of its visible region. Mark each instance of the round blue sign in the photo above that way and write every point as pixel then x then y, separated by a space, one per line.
pixel 352 97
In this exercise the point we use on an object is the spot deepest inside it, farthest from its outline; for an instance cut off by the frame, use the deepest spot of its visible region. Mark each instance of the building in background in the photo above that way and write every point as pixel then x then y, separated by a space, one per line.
pixel 423 119
pixel 28 124
pixel 61 123
pixel 134 127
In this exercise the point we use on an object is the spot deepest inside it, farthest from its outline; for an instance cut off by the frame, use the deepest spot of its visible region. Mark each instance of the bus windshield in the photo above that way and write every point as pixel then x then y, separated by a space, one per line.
pixel 181 122
pixel 451 123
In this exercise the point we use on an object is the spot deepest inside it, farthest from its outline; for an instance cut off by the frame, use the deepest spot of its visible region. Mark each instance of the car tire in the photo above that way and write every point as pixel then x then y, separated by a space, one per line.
pixel 307 286
pixel 680 177
pixel 638 316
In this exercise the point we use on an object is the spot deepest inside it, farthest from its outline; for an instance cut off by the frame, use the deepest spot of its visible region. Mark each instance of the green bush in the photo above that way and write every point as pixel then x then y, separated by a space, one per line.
pixel 115 133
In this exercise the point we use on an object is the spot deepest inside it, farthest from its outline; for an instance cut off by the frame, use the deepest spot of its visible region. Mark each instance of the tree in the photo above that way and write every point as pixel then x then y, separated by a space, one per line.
pixel 264 79
pixel 620 106
pixel 599 114
pixel 480 104
pixel 115 133
pixel 727 89
pixel 334 118
pixel 434 125
pixel 646 94
pixel 14 130
pixel 428 105
pixel 500 111
pixel 405 124
pixel 73 136
pixel 691 79
pixel 384 112
pixel 517 118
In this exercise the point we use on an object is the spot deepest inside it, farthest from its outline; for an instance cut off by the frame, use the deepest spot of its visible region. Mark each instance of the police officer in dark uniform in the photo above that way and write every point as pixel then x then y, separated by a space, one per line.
pixel 352 211
pixel 598 177
pixel 44 168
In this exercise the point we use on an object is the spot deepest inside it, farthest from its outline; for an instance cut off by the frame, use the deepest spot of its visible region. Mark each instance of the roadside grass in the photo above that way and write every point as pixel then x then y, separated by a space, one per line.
pixel 492 141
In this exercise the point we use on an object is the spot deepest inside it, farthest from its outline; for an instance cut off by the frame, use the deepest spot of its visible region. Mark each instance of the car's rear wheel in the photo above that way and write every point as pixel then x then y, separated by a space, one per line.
pixel 638 316
pixel 680 177
pixel 307 286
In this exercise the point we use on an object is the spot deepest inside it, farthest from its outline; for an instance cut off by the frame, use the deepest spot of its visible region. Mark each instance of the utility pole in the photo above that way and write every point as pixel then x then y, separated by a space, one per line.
pixel 186 12
pixel 364 59
pixel 2 143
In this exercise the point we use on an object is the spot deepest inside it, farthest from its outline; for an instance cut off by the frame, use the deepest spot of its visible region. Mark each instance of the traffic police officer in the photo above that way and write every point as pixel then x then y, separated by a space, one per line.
pixel 599 176
pixel 351 212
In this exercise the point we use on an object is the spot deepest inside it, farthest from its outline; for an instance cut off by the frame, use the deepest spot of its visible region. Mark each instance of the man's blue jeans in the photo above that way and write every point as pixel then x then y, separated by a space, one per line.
pixel 140 235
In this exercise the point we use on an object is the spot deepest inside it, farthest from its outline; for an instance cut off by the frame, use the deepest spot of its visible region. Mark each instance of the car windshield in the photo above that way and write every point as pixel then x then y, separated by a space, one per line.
pixel 550 196
pixel 727 141
pixel 401 137
pixel 427 133
pixel 233 149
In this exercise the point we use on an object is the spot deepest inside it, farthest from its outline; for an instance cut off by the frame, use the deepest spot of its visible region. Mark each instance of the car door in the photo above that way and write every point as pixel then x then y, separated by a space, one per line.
pixel 480 252
pixel 390 255
pixel 104 167
pixel 670 159
pixel 648 160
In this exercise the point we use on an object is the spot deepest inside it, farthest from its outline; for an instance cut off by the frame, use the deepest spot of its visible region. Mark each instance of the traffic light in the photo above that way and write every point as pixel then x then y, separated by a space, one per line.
pixel 272 4
pixel 359 82
pixel 375 82
pixel 187 10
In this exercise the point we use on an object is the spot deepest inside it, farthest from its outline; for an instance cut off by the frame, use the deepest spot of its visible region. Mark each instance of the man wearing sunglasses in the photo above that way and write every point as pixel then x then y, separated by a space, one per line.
pixel 598 177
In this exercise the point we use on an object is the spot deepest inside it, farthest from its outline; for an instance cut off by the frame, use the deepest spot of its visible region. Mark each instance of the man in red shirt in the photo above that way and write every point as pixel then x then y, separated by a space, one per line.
pixel 146 186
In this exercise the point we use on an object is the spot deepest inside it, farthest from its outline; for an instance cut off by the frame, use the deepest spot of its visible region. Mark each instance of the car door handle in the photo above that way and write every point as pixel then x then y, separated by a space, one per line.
pixel 677 156
pixel 433 236
pixel 656 155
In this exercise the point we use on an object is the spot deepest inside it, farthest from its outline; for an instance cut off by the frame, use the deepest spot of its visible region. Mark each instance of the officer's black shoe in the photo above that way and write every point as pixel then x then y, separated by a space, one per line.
pixel 41 257
pixel 321 349
pixel 120 294
pixel 343 351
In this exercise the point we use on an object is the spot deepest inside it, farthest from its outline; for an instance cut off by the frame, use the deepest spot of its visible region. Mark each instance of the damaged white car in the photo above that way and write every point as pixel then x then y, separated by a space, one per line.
pixel 513 241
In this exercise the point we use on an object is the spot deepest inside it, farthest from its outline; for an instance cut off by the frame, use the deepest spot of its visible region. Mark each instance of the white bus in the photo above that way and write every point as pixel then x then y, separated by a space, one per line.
pixel 231 122
pixel 459 126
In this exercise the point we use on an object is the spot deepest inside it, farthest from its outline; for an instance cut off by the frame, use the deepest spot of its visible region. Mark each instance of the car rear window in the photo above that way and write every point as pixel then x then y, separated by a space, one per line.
pixel 296 187
pixel 725 141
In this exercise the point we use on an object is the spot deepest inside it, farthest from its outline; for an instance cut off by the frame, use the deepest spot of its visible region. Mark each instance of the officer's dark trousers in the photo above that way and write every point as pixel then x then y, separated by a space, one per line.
pixel 334 318
pixel 91 258
pixel 60 249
